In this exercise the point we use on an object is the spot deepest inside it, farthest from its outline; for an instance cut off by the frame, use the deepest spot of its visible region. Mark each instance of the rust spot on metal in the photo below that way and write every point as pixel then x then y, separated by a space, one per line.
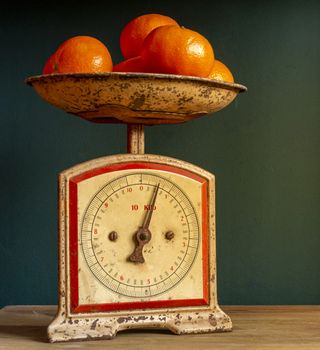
pixel 183 100
pixel 137 102
pixel 212 320
pixel 124 319
pixel 140 318
pixel 94 324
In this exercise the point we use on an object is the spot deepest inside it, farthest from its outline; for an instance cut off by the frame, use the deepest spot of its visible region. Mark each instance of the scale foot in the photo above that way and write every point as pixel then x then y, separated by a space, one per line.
pixel 209 321
pixel 80 329
pixel 201 322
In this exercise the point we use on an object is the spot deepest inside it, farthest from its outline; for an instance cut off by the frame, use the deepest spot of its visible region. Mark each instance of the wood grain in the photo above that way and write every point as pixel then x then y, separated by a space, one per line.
pixel 255 327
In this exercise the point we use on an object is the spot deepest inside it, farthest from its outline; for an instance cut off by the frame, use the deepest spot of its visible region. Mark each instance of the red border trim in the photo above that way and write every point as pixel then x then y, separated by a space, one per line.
pixel 73 217
pixel 73 245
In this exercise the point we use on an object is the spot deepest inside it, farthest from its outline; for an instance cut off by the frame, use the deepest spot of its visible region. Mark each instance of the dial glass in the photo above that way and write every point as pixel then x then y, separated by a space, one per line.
pixel 140 235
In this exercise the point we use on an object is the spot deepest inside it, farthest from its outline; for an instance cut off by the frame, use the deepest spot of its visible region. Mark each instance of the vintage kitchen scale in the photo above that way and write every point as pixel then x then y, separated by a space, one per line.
pixel 136 231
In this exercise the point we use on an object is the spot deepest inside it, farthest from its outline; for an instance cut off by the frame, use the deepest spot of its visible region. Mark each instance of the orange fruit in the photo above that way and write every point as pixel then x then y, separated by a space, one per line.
pixel 48 67
pixel 178 50
pixel 134 64
pixel 80 54
pixel 221 72
pixel 134 33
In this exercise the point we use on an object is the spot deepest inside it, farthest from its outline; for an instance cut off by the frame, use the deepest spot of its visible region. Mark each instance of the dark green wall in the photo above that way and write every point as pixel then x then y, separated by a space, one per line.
pixel 264 148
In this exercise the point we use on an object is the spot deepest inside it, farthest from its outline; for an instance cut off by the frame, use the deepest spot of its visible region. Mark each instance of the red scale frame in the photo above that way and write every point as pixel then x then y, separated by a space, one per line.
pixel 74 247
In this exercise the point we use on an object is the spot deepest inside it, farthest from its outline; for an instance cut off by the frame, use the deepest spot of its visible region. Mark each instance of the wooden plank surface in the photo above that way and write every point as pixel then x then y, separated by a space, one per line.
pixel 255 327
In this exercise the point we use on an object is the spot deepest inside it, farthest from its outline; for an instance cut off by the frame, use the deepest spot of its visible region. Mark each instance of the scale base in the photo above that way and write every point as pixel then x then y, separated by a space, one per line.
pixel 107 327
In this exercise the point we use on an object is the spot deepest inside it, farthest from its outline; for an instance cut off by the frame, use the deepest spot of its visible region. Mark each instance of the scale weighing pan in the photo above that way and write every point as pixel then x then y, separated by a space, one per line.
pixel 139 98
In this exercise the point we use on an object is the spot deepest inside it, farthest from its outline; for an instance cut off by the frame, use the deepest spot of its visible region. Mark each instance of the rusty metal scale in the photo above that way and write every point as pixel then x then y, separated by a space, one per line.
pixel 136 231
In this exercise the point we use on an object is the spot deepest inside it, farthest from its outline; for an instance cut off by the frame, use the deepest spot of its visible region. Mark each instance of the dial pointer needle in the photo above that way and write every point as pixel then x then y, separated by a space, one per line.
pixel 149 213
pixel 143 235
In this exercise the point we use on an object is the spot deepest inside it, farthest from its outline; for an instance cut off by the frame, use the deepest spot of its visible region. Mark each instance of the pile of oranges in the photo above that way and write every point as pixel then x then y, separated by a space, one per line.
pixel 150 43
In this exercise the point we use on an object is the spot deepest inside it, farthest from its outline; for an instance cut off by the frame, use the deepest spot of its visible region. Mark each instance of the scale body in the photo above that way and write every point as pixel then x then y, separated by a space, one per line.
pixel 137 234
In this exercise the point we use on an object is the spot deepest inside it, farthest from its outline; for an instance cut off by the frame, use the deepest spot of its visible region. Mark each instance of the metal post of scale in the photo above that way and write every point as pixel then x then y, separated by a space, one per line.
pixel 135 138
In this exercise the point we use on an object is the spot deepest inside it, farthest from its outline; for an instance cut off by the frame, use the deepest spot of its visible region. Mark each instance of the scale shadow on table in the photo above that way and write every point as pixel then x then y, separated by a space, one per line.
pixel 34 333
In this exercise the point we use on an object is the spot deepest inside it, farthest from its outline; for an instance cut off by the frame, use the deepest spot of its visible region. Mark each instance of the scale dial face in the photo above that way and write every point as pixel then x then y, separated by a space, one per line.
pixel 138 238
pixel 111 221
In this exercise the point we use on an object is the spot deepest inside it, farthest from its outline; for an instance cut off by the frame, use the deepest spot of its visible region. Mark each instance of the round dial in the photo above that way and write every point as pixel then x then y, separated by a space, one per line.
pixel 140 234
